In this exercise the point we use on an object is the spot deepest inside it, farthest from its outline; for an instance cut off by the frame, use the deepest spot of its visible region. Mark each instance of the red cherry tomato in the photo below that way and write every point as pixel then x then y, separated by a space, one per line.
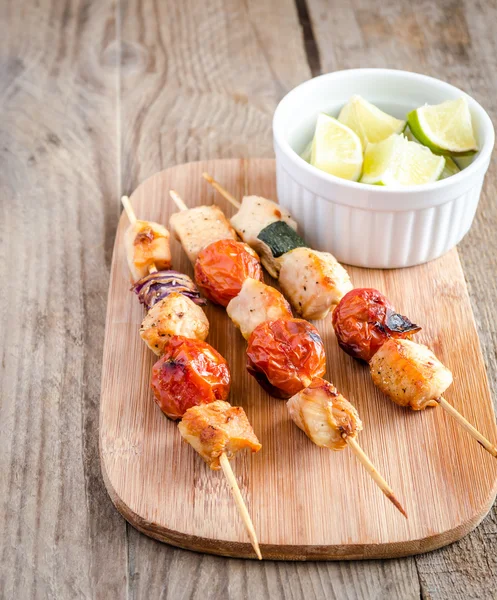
pixel 190 372
pixel 223 266
pixel 364 319
pixel 284 355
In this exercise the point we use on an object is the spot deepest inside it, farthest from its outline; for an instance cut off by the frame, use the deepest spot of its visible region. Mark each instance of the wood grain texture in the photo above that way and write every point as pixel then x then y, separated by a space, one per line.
pixel 454 41
pixel 445 480
pixel 59 536
pixel 239 126
pixel 60 66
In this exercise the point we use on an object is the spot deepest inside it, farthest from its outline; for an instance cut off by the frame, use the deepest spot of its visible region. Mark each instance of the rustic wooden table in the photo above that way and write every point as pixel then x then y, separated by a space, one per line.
pixel 94 97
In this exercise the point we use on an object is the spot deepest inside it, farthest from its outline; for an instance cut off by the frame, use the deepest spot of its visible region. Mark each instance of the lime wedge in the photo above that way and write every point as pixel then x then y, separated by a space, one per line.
pixel 370 123
pixel 336 149
pixel 398 162
pixel 409 136
pixel 445 128
pixel 306 154
pixel 450 168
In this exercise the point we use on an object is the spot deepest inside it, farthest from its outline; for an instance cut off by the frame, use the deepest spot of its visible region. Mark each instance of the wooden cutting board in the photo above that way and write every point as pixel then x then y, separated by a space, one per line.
pixel 306 502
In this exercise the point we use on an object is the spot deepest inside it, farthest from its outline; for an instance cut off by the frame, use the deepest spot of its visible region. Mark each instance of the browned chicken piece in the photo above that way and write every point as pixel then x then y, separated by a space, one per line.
pixel 324 415
pixel 216 428
pixel 314 282
pixel 256 303
pixel 198 227
pixel 409 374
pixel 147 245
pixel 175 315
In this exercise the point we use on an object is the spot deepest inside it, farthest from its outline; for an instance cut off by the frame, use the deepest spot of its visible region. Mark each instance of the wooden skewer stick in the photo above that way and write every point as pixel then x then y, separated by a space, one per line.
pixel 224 193
pixel 491 448
pixel 178 200
pixel 223 459
pixel 371 469
pixel 353 445
pixel 129 209
pixel 242 508
pixel 481 439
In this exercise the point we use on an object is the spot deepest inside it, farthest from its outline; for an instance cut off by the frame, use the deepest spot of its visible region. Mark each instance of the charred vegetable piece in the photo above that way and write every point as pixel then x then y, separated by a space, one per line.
pixel 175 315
pixel 409 374
pixel 189 373
pixel 255 214
pixel 217 428
pixel 314 282
pixel 281 238
pixel 285 355
pixel 147 245
pixel 156 286
pixel 256 303
pixel 223 266
pixel 198 227
pixel 324 415
pixel 364 319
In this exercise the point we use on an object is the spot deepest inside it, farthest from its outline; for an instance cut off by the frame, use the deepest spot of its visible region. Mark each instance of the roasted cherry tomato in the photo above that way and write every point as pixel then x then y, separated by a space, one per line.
pixel 364 319
pixel 223 266
pixel 284 355
pixel 190 372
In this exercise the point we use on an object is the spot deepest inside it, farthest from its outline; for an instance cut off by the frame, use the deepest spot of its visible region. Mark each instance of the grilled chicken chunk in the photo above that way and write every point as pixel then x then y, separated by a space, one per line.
pixel 324 415
pixel 216 428
pixel 146 244
pixel 198 227
pixel 175 315
pixel 256 303
pixel 409 374
pixel 254 215
pixel 313 281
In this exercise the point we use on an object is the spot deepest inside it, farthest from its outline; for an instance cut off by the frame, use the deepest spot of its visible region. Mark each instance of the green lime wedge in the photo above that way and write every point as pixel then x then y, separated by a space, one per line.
pixel 398 162
pixel 450 168
pixel 336 149
pixel 370 123
pixel 306 154
pixel 444 128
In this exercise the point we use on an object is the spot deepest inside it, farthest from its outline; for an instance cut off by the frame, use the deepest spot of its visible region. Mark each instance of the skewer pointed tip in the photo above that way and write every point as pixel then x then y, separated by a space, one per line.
pixel 242 508
pixel 178 200
pixel 396 503
pixel 125 201
pixel 371 469
pixel 224 193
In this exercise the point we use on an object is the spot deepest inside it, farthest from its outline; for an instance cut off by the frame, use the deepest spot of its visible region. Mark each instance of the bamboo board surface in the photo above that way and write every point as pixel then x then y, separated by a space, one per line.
pixel 306 502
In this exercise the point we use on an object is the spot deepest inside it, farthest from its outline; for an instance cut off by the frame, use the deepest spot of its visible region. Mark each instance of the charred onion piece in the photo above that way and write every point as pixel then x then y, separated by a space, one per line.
pixel 284 355
pixel 189 373
pixel 223 266
pixel 364 319
pixel 157 286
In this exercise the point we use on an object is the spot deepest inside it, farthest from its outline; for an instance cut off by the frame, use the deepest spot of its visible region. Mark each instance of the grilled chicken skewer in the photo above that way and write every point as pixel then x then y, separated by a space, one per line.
pixel 331 421
pixel 175 328
pixel 368 328
pixel 491 448
pixel 314 282
pixel 285 355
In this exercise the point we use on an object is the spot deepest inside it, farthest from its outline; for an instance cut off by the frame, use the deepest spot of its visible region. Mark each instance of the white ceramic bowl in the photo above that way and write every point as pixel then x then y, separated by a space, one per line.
pixel 367 225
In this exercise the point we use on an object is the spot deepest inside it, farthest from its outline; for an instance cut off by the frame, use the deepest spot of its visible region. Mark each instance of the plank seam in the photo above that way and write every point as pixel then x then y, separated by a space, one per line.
pixel 310 43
